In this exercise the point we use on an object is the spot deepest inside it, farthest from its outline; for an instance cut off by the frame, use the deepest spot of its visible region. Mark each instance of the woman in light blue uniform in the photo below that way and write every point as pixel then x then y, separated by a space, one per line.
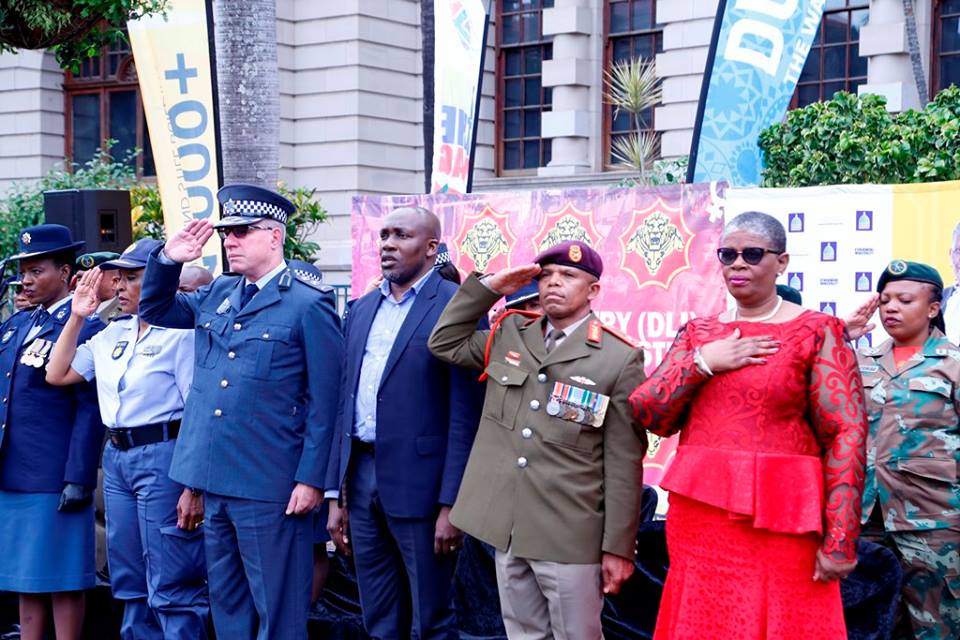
pixel 143 375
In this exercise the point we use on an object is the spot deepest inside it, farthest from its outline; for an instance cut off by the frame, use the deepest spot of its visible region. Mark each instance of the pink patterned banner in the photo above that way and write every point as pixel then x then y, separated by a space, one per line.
pixel 657 247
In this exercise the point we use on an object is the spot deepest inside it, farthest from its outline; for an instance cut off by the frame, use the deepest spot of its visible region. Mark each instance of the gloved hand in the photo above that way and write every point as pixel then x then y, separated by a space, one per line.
pixel 74 497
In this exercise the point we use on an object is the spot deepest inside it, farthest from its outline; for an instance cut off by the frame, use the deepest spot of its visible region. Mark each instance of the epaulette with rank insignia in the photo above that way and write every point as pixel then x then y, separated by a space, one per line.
pixel 596 328
pixel 311 279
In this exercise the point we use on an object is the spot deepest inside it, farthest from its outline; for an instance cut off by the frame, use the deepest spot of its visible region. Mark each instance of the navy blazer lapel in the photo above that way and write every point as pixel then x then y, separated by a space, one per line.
pixel 422 304
pixel 358 330
pixel 55 319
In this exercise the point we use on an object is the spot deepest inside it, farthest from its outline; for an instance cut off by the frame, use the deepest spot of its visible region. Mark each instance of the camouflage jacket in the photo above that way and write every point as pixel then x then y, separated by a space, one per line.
pixel 913 448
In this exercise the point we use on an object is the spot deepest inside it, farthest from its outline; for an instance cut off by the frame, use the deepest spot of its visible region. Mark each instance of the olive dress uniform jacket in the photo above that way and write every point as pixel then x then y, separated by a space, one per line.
pixel 548 488
pixel 261 411
pixel 48 435
pixel 913 448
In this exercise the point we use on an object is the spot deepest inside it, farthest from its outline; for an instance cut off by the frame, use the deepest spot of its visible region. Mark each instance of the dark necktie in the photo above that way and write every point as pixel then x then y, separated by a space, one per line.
pixel 248 292
pixel 40 315
pixel 552 338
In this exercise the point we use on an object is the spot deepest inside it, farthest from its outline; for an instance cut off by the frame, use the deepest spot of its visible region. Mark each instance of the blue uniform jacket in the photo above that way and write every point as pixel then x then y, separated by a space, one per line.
pixel 261 410
pixel 427 410
pixel 48 435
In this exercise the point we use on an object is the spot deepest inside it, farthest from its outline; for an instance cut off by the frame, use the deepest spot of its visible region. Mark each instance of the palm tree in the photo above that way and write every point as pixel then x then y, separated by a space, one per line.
pixel 248 90
pixel 633 86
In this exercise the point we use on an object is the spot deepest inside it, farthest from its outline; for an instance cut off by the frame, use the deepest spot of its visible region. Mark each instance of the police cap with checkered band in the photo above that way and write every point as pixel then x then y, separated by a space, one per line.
pixel 245 204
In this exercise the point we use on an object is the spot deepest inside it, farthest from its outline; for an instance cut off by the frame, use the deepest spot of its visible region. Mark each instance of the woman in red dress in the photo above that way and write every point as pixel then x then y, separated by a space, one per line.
pixel 766 485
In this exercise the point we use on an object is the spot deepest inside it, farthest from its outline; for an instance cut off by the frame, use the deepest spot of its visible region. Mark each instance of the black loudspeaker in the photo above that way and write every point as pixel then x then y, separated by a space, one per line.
pixel 99 217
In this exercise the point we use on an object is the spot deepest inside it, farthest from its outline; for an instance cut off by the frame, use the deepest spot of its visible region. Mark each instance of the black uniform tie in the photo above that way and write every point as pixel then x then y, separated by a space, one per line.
pixel 248 292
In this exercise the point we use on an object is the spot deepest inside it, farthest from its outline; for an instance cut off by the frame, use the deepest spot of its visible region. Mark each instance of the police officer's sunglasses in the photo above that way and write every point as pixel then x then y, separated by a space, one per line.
pixel 751 255
pixel 240 232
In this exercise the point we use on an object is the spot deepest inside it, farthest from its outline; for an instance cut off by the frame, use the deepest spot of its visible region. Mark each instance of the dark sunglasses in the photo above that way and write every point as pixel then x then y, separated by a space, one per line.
pixel 751 255
pixel 239 232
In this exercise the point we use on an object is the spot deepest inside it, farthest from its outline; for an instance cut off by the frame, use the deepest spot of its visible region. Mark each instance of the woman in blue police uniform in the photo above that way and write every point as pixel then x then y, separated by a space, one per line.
pixel 143 375
pixel 49 445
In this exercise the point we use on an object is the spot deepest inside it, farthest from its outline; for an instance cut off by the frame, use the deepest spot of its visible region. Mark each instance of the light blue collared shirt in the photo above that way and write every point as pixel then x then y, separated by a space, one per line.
pixel 383 332
pixel 138 382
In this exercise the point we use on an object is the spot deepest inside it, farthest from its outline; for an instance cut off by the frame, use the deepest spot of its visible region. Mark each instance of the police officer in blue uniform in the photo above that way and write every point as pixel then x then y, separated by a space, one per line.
pixel 259 421
pixel 143 376
pixel 49 446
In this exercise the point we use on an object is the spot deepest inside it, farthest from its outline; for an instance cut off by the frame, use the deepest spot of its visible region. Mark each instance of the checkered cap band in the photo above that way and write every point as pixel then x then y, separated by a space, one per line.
pixel 255 209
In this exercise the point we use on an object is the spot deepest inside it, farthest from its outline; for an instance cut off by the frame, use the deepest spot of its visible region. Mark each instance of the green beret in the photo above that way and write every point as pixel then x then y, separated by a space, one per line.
pixel 790 294
pixel 88 261
pixel 903 270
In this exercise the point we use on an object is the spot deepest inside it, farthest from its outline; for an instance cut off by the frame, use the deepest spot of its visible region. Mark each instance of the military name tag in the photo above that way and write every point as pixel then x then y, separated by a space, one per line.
pixel 578 405
pixel 224 306
pixel 150 350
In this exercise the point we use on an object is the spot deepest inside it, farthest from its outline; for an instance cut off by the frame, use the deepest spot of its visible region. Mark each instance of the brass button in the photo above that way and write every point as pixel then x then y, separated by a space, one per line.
pixel 232 355
pixel 224 383
pixel 218 413
pixel 527 433
pixel 237 326
pixel 534 405
pixel 522 462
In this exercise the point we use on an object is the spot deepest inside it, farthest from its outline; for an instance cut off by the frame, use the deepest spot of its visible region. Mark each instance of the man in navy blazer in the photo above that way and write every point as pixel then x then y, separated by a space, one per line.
pixel 405 428
pixel 259 421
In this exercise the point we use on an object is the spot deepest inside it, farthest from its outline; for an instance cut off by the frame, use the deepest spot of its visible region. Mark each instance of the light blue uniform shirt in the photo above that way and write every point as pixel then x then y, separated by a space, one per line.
pixel 383 332
pixel 138 383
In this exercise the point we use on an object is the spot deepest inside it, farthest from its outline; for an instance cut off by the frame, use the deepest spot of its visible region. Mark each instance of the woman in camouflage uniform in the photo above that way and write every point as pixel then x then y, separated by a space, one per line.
pixel 911 501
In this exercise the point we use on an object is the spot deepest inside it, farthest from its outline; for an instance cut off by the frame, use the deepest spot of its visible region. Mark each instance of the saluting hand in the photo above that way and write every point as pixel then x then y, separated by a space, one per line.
pixel 513 279
pixel 86 298
pixel 734 352
pixel 189 511
pixel 186 245
pixel 858 323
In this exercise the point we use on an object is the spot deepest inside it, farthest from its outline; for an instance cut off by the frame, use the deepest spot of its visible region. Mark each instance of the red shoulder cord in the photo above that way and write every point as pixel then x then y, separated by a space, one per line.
pixel 496 327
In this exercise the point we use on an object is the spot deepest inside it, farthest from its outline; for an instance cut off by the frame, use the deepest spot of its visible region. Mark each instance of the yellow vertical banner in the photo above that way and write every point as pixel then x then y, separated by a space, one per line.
pixel 176 84
pixel 924 218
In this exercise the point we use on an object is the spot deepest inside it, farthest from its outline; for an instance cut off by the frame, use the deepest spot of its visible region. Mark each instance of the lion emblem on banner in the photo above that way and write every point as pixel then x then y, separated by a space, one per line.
pixel 567 228
pixel 483 242
pixel 654 240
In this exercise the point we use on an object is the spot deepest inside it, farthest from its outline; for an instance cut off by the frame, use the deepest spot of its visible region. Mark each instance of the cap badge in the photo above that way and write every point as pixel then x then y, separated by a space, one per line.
pixel 86 261
pixel 575 253
pixel 897 267
pixel 25 238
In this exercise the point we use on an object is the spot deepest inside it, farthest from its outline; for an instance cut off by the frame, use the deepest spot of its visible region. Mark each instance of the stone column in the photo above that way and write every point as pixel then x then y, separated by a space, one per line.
pixel 884 41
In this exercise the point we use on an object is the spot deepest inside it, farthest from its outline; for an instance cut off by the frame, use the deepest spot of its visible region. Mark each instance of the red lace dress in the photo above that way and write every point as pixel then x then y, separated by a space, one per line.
pixel 769 469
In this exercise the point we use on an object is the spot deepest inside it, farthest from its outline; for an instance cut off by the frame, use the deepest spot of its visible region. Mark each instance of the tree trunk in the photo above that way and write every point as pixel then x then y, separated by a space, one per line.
pixel 427 35
pixel 248 90
pixel 916 60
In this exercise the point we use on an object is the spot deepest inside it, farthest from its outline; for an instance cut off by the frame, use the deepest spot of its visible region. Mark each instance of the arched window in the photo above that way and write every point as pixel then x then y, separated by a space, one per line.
pixel 103 102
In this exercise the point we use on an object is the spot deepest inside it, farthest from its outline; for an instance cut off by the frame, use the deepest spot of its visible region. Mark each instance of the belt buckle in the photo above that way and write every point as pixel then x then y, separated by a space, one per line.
pixel 115 439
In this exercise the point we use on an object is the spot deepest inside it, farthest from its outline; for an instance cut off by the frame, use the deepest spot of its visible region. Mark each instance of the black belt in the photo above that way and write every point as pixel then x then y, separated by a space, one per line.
pixel 363 447
pixel 124 439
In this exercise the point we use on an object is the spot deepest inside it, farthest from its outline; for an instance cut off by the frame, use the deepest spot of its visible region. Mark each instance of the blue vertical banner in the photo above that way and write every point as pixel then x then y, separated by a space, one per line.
pixel 758 51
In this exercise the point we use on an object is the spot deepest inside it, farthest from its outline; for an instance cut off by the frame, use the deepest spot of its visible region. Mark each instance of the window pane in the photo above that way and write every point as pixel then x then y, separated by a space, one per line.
pixel 619 17
pixel 531 154
pixel 513 92
pixel 531 27
pixel 511 63
pixel 149 168
pixel 545 152
pixel 90 68
pixel 531 60
pixel 830 88
pixel 621 49
pixel 835 62
pixel 123 123
pixel 531 123
pixel 511 5
pixel 86 126
pixel 547 98
pixel 547 4
pixel 511 29
pixel 835 27
pixel 646 118
pixel 531 91
pixel 950 35
pixel 811 70
pixel 949 71
pixel 511 155
pixel 808 94
pixel 949 6
pixel 642 15
pixel 858 66
pixel 621 122
pixel 511 124
pixel 834 4
pixel 858 20
pixel 643 47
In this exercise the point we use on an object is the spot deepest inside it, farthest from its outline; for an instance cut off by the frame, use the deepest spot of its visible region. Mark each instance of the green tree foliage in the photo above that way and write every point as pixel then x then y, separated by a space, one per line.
pixel 851 140
pixel 73 29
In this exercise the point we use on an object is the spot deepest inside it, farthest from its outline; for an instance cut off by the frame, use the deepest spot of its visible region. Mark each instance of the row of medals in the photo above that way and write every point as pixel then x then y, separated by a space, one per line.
pixel 36 354
pixel 567 411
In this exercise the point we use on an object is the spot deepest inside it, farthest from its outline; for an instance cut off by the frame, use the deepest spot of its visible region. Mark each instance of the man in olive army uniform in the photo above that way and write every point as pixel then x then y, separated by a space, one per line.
pixel 555 474
pixel 911 499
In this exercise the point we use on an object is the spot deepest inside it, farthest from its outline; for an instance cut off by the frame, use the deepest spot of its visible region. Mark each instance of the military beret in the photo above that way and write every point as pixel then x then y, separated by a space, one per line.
pixel 529 292
pixel 789 294
pixel 903 270
pixel 572 253
pixel 87 261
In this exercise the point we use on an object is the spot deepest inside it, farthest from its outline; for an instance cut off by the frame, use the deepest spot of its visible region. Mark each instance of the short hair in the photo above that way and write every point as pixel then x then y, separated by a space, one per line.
pixel 761 224
pixel 276 224
pixel 68 257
